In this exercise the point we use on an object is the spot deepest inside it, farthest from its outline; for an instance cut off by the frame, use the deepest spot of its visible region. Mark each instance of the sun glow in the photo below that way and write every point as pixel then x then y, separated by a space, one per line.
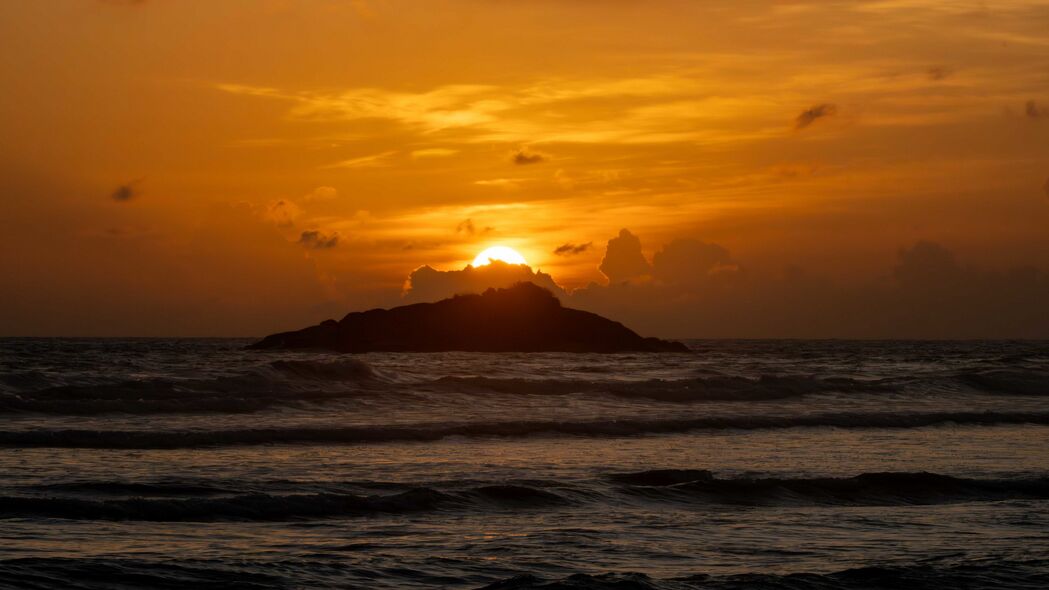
pixel 501 253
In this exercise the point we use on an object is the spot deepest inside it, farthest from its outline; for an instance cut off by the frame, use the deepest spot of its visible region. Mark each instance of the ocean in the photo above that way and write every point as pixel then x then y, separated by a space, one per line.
pixel 194 463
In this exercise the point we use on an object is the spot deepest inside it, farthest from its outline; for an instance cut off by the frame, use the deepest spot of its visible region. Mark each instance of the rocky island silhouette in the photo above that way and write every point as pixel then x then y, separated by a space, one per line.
pixel 521 318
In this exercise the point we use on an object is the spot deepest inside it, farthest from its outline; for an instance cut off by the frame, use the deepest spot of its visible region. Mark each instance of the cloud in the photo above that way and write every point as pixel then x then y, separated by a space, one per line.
pixel 434 153
pixel 321 193
pixel 623 259
pixel 429 284
pixel 1035 111
pixel 927 265
pixel 813 114
pixel 318 240
pixel 372 161
pixel 691 262
pixel 938 73
pixel 282 213
pixel 525 156
pixel 504 183
pixel 570 249
pixel 466 227
pixel 126 191
pixel 699 290
pixel 286 212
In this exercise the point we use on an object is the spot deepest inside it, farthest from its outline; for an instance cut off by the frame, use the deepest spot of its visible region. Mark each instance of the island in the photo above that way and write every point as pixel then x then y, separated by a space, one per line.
pixel 521 318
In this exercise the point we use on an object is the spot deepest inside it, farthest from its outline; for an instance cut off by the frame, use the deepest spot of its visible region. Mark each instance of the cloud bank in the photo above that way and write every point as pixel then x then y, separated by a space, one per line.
pixel 429 284
pixel 692 288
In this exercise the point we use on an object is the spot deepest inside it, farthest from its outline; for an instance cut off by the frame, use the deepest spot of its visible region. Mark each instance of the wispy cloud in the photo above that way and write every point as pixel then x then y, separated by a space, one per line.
pixel 372 161
pixel 433 153
pixel 570 249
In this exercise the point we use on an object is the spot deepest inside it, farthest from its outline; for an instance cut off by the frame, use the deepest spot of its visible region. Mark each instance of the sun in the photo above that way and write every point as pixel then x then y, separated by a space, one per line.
pixel 501 253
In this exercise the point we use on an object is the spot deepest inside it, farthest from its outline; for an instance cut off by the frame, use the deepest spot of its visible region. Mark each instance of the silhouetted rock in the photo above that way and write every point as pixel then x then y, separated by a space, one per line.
pixel 522 318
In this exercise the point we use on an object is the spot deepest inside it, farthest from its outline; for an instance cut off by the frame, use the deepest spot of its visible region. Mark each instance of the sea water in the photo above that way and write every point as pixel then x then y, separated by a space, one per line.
pixel 764 464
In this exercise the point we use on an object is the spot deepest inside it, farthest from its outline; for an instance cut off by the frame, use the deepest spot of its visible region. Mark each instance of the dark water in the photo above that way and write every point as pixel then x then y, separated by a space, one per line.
pixel 194 463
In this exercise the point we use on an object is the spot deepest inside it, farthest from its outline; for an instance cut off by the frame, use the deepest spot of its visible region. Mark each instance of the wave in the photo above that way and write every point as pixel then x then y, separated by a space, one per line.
pixel 139 489
pixel 63 573
pixel 190 502
pixel 717 388
pixel 154 439
pixel 977 575
pixel 111 572
pixel 282 382
pixel 868 489
pixel 725 388
pixel 276 507
pixel 293 383
pixel 1007 382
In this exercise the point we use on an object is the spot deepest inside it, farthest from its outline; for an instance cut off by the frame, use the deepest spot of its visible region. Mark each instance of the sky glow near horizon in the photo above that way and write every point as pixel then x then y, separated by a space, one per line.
pixel 236 167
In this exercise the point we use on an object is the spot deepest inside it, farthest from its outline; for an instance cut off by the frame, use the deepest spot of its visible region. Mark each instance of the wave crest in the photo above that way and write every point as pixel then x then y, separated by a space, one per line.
pixel 143 439
pixel 868 489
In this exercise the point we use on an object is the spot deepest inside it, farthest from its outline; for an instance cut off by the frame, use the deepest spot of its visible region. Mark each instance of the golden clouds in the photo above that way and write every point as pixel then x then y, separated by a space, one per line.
pixel 546 126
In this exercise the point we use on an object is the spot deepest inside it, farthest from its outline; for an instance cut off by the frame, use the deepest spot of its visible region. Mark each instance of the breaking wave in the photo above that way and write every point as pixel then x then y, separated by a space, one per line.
pixel 868 489
pixel 190 502
pixel 282 382
pixel 971 576
pixel 109 572
pixel 154 439
pixel 719 388
pixel 296 382
pixel 275 507
pixel 1008 382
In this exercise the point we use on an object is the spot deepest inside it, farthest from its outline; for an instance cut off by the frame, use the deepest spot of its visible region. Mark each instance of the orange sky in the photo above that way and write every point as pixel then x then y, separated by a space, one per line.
pixel 201 167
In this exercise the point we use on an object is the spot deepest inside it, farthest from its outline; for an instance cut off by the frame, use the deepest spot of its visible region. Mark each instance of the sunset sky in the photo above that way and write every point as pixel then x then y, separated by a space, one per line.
pixel 237 167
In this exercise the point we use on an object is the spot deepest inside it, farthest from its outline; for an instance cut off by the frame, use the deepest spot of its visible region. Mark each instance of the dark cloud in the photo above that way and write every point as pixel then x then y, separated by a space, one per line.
pixel 698 290
pixel 940 72
pixel 318 240
pixel 429 284
pixel 525 156
pixel 571 249
pixel 813 114
pixel 691 262
pixel 623 259
pixel 126 191
pixel 927 265
pixel 1035 111
pixel 466 227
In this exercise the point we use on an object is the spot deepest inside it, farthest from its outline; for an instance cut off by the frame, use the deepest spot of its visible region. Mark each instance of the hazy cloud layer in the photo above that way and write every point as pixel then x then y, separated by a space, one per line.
pixel 940 72
pixel 1035 111
pixel 698 290
pixel 693 288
